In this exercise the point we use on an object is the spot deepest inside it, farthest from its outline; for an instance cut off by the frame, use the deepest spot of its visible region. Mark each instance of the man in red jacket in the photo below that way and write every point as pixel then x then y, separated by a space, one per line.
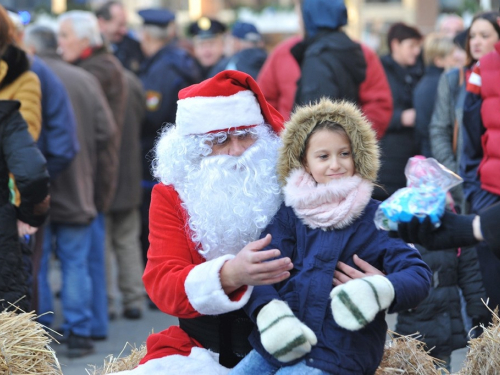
pixel 281 71
pixel 217 191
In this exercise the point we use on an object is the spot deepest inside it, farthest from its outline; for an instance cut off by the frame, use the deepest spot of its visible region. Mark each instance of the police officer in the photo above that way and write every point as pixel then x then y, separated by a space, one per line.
pixel 208 43
pixel 165 70
pixel 112 20
pixel 247 53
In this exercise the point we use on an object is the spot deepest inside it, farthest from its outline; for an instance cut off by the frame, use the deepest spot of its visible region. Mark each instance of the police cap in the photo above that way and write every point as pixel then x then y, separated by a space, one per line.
pixel 246 31
pixel 156 16
pixel 206 28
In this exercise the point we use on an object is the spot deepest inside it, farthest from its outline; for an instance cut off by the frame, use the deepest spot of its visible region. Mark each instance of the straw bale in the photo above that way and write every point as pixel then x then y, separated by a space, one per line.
pixel 24 346
pixel 112 364
pixel 483 357
pixel 407 355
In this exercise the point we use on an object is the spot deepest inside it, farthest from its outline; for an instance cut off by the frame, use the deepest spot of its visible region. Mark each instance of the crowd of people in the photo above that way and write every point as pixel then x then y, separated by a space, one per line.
pixel 236 190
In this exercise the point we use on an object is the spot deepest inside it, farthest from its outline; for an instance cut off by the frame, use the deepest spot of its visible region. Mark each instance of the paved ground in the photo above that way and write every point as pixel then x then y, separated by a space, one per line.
pixel 135 332
pixel 121 331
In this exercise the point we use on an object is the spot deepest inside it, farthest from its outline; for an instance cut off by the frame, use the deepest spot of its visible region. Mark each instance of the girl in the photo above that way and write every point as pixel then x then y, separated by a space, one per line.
pixel 328 164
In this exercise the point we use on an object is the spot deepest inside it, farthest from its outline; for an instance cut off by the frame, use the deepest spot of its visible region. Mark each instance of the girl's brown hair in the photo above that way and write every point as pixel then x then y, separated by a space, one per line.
pixel 492 18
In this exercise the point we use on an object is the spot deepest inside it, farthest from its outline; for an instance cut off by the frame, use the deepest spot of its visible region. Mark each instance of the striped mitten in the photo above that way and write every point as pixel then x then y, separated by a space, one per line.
pixel 282 334
pixel 355 303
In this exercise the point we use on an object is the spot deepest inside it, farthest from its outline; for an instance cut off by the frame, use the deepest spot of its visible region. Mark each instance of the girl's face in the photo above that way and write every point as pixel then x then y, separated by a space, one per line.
pixel 329 156
pixel 482 38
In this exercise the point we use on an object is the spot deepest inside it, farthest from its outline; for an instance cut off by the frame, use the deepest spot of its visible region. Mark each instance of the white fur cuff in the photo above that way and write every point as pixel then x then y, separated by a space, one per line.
pixel 204 289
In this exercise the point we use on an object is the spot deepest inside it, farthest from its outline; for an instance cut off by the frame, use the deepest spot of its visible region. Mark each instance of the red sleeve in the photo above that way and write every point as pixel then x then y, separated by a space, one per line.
pixel 171 256
pixel 375 96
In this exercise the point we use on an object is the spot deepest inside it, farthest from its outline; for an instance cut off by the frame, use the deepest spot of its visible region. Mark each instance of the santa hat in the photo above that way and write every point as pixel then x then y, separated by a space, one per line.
pixel 230 100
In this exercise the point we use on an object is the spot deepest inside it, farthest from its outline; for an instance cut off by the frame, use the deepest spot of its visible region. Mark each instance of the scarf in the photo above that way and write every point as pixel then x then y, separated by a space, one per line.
pixel 334 205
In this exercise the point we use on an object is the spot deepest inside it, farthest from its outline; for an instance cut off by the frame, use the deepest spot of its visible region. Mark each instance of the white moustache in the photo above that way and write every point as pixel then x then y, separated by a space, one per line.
pixel 228 162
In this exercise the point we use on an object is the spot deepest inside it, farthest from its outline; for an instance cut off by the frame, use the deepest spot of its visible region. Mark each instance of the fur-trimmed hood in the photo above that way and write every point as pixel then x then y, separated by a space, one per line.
pixel 364 144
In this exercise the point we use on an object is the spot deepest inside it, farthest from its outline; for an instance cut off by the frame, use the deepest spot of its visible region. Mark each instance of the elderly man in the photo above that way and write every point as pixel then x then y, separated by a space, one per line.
pixel 217 191
pixel 80 43
pixel 73 207
pixel 112 18
pixel 166 70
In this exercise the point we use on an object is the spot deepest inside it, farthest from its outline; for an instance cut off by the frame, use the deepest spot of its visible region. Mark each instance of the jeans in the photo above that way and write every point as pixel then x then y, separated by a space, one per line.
pixel 254 363
pixel 97 272
pixel 71 244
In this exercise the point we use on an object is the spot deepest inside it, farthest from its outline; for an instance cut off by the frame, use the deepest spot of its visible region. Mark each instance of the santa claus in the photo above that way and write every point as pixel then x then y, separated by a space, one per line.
pixel 218 190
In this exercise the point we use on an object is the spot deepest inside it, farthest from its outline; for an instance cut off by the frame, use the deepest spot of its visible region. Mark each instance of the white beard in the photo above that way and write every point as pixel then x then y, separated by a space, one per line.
pixel 229 200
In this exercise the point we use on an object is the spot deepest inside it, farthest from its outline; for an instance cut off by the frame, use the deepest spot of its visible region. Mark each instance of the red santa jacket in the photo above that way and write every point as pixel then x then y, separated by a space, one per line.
pixel 279 75
pixel 177 278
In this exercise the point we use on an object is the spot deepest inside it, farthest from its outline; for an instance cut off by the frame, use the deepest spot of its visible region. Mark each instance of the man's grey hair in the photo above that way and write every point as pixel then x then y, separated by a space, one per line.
pixel 41 38
pixel 85 26
pixel 164 34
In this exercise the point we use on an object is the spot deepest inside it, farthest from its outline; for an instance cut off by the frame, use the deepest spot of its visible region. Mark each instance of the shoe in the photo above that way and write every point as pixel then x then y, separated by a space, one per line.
pixel 112 315
pixel 151 304
pixel 57 334
pixel 79 346
pixel 132 313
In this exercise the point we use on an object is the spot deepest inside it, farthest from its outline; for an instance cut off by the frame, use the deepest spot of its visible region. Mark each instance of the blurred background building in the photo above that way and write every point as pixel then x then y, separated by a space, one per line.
pixel 368 19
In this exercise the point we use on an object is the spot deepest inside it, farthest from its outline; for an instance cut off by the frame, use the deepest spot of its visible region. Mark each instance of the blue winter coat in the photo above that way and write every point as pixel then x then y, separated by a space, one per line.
pixel 58 141
pixel 315 253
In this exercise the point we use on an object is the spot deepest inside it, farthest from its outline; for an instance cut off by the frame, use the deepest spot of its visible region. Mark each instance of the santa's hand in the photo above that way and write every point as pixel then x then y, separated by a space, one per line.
pixel 357 302
pixel 254 267
pixel 283 335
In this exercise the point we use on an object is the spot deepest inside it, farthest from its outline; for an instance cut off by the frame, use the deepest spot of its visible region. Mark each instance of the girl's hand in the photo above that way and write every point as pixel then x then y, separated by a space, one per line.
pixel 344 273
pixel 25 229
pixel 251 266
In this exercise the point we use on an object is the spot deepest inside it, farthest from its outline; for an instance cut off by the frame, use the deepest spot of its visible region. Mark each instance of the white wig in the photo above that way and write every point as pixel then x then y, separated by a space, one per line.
pixel 85 26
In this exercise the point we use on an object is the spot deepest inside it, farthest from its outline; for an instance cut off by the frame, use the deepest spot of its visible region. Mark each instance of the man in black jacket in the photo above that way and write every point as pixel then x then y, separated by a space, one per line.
pixel 331 64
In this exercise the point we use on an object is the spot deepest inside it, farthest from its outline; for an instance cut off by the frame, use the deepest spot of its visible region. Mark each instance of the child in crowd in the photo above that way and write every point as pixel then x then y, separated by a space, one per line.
pixel 328 164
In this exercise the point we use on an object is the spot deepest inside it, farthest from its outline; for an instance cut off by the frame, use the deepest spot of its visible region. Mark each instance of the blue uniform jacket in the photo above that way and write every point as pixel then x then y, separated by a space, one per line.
pixel 58 141
pixel 163 75
pixel 315 253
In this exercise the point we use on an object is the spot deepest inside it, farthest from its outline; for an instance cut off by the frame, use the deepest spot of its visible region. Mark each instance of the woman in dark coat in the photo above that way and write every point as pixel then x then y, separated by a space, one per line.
pixel 398 143
pixel 20 157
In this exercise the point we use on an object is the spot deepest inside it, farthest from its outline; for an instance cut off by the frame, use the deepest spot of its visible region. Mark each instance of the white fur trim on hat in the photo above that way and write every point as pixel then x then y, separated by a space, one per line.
pixel 200 115
pixel 204 290
pixel 200 361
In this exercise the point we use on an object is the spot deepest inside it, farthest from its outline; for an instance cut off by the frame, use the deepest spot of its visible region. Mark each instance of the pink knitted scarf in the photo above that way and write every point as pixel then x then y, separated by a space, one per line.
pixel 334 205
